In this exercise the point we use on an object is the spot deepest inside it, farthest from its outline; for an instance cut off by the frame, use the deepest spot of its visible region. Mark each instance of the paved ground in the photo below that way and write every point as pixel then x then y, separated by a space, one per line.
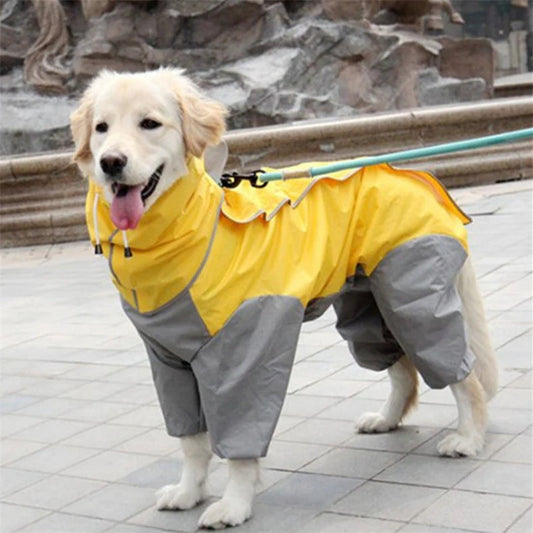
pixel 84 446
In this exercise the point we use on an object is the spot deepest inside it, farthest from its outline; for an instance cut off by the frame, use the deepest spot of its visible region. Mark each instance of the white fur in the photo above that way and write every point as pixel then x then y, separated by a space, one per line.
pixel 189 123
pixel 403 379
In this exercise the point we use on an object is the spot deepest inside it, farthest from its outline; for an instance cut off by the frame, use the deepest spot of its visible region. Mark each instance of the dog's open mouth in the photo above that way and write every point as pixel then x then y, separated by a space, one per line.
pixel 128 202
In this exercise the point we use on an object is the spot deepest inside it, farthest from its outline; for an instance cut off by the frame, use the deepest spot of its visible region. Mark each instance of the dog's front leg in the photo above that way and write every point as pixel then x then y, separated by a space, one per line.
pixel 190 491
pixel 235 507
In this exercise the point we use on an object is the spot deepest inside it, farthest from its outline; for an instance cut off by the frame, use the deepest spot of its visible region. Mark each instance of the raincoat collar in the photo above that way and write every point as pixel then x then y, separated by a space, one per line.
pixel 168 245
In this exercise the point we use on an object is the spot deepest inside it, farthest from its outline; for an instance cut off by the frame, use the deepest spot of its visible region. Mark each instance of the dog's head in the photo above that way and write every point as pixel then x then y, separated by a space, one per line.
pixel 134 132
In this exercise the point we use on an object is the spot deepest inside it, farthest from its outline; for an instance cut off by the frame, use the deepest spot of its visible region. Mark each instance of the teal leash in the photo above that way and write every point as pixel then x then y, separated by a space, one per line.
pixel 428 151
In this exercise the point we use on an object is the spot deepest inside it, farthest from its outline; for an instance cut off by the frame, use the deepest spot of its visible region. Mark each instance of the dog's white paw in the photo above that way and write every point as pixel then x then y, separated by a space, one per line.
pixel 227 512
pixel 374 423
pixel 457 445
pixel 179 497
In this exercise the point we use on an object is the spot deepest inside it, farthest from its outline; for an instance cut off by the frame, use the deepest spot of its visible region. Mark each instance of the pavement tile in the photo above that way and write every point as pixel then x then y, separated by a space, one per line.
pixel 51 407
pixel 417 528
pixel 135 375
pixel 124 528
pixel 500 478
pixel 136 394
pixel 12 384
pixel 519 450
pixel 152 442
pixel 432 415
pixel 350 409
pixel 94 391
pixel 54 492
pixel 315 491
pixel 429 471
pixel 97 412
pixel 362 464
pixel 104 436
pixel 65 523
pixel 335 388
pixel 292 455
pixel 390 501
pixel 334 523
pixel 302 405
pixel 14 402
pixel 524 381
pixel 149 416
pixel 185 521
pixel 109 465
pixel 287 422
pixel 510 421
pixel 268 518
pixel 114 502
pixel 15 517
pixel 53 458
pixel 52 431
pixel 513 398
pixel 474 511
pixel 155 475
pixel 524 524
pixel 14 480
pixel 12 449
pixel 51 387
pixel 402 440
pixel 317 431
pixel 355 372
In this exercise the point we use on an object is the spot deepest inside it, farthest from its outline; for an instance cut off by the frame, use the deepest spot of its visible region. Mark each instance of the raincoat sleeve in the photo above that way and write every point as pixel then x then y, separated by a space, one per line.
pixel 243 374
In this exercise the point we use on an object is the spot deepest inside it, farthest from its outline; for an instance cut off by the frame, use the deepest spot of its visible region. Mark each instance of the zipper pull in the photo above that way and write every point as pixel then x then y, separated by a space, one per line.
pixel 127 250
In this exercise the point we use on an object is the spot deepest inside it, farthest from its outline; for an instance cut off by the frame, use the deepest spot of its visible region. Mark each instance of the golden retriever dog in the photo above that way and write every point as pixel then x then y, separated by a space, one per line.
pixel 218 282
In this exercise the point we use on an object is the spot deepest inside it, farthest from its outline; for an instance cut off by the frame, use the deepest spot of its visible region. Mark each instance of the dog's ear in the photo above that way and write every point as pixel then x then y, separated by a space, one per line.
pixel 80 127
pixel 203 119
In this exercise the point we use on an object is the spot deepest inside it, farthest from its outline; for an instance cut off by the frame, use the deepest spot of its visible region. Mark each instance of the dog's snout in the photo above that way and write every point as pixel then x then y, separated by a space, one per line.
pixel 113 163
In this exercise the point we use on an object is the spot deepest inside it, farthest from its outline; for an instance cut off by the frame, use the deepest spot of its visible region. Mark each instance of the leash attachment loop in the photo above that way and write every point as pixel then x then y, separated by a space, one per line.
pixel 233 180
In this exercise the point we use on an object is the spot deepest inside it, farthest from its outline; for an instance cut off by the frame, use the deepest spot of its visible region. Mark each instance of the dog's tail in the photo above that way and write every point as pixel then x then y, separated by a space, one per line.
pixel 486 366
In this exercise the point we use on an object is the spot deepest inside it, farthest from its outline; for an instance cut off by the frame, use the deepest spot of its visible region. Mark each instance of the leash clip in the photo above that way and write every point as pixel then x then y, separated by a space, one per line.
pixel 233 180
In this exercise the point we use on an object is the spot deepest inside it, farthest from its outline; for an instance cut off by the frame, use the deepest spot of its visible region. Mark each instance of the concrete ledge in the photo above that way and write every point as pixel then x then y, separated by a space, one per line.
pixel 43 194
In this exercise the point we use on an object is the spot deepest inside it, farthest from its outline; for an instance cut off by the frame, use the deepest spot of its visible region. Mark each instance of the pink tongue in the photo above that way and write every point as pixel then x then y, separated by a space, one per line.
pixel 127 208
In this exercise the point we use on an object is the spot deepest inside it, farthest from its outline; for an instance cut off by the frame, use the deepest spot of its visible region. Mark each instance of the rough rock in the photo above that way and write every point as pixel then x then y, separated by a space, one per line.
pixel 269 61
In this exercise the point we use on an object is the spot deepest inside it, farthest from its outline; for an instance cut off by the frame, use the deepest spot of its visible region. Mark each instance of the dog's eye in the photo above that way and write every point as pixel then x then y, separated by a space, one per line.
pixel 101 127
pixel 149 124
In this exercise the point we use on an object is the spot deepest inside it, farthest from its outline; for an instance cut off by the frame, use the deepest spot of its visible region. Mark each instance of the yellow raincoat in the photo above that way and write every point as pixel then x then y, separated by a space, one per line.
pixel 221 280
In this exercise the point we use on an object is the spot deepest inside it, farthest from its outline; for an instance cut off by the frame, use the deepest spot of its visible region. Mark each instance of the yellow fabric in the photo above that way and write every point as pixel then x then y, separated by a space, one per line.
pixel 300 238
pixel 168 245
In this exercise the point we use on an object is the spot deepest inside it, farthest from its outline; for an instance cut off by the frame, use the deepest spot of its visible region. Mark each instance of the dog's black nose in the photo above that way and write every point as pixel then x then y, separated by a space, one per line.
pixel 113 163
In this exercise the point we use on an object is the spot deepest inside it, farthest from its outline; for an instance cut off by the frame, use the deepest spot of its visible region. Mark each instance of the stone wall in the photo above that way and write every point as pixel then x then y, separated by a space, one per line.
pixel 269 61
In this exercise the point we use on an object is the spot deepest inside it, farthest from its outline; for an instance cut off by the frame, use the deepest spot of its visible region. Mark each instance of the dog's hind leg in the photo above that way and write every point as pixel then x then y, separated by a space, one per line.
pixel 235 506
pixel 469 438
pixel 403 397
pixel 190 491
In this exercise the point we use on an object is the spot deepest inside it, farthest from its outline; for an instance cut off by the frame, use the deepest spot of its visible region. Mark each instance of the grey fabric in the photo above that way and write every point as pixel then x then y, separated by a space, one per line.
pixel 414 287
pixel 360 323
pixel 173 335
pixel 177 391
pixel 174 331
pixel 317 307
pixel 243 373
